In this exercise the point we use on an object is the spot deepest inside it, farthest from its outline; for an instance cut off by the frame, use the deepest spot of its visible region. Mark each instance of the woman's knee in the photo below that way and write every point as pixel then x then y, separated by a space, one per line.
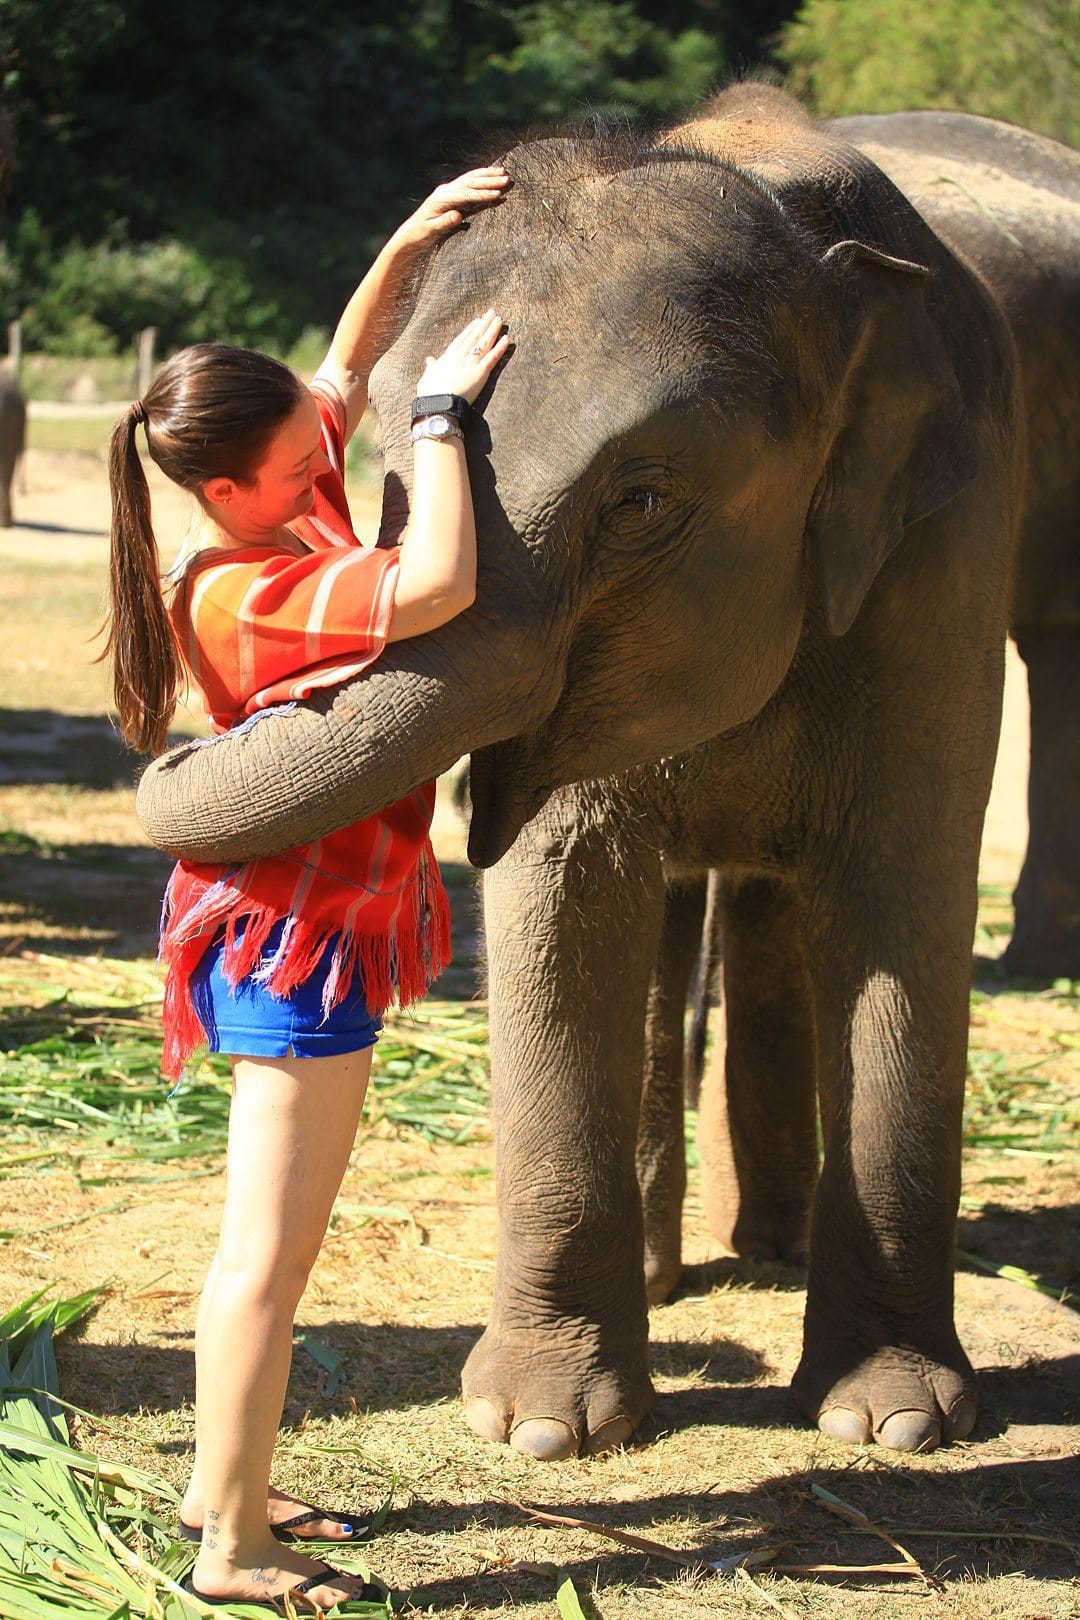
pixel 266 1273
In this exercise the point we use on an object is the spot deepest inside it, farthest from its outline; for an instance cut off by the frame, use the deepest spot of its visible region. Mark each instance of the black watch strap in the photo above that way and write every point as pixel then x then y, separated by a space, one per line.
pixel 441 405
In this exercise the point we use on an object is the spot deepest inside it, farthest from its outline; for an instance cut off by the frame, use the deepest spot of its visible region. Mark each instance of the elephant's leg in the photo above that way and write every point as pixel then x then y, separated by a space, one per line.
pixel 1046 933
pixel 890 959
pixel 661 1149
pixel 757 1124
pixel 572 918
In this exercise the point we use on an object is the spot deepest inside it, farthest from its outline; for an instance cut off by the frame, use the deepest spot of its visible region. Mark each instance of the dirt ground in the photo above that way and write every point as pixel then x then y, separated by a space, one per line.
pixel 401 1290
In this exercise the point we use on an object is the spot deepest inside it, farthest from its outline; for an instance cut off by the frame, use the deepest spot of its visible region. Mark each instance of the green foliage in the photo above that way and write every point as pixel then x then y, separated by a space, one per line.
pixel 92 300
pixel 231 170
pixel 81 1082
pixel 79 1536
pixel 1013 59
pixel 599 55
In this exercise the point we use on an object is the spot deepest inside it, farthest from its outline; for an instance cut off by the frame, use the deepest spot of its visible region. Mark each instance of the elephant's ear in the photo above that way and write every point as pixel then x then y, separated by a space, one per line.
pixel 903 446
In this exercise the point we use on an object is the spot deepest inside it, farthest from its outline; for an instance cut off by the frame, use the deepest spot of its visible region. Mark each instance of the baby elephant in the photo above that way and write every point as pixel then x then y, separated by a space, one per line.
pixel 12 439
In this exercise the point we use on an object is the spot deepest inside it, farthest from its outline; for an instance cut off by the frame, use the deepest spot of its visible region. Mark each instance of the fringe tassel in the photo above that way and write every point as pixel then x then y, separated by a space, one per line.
pixel 398 962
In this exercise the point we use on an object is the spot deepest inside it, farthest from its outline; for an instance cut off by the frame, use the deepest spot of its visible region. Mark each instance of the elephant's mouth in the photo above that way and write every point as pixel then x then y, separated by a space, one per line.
pixel 504 795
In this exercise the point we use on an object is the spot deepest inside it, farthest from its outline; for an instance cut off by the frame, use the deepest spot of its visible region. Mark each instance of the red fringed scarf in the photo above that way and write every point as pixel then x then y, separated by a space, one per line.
pixel 258 626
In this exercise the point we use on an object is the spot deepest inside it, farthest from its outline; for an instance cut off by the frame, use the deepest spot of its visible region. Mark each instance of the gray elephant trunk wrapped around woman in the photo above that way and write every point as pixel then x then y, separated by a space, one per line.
pixel 748 515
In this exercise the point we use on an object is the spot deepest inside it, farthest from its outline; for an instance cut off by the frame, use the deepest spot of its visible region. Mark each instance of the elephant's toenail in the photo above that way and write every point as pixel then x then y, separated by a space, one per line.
pixel 546 1439
pixel 486 1420
pixel 844 1424
pixel 960 1418
pixel 614 1432
pixel 909 1431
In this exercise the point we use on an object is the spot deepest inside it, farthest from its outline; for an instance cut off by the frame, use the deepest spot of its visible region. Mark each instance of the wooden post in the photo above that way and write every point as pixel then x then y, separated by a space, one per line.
pixel 144 359
pixel 14 334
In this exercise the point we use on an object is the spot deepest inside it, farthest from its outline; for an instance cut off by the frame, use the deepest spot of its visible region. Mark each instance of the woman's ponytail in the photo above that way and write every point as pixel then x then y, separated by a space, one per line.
pixel 210 412
pixel 147 669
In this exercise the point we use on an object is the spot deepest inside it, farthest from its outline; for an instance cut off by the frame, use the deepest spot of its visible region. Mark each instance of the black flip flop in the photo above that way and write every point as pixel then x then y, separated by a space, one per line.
pixel 369 1593
pixel 286 1531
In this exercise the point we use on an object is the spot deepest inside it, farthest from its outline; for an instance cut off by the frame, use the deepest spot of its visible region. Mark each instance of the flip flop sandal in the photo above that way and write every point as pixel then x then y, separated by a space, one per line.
pixel 286 1530
pixel 369 1593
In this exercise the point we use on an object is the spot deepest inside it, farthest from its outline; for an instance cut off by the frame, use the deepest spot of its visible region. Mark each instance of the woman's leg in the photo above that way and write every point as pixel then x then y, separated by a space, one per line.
pixel 280 1505
pixel 291 1130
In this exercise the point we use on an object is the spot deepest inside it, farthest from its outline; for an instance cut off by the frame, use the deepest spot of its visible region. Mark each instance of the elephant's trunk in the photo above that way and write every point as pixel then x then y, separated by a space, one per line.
pixel 293 777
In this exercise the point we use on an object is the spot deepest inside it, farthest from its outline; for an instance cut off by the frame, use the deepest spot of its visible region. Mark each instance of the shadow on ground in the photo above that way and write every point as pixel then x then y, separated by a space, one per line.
pixel 976 1522
pixel 81 899
pixel 1044 1241
pixel 967 1512
pixel 386 1365
pixel 83 750
pixel 61 528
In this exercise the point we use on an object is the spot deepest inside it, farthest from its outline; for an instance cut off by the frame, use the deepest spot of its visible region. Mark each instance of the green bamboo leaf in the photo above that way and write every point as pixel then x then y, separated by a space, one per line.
pixel 328 1359
pixel 378 1518
pixel 16 1437
pixel 1014 1274
pixel 568 1601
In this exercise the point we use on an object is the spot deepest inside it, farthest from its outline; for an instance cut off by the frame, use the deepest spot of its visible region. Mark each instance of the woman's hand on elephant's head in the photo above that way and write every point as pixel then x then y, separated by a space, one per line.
pixel 448 205
pixel 468 359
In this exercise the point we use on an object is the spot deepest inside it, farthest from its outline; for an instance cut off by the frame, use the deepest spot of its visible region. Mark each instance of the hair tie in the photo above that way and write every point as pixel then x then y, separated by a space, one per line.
pixel 138 411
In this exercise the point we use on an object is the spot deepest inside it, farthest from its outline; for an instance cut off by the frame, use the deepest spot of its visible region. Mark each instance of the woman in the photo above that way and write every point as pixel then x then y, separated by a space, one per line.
pixel 286 963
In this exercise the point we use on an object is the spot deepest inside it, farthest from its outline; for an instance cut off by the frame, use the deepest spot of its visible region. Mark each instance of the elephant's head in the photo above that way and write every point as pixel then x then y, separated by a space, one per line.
pixel 715 411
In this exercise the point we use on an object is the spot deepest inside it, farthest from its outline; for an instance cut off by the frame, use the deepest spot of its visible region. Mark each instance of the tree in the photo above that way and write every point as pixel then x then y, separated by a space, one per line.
pixel 275 146
pixel 576 54
pixel 1013 59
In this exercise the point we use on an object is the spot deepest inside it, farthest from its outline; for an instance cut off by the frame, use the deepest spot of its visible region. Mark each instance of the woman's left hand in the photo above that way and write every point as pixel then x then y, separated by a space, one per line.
pixel 444 210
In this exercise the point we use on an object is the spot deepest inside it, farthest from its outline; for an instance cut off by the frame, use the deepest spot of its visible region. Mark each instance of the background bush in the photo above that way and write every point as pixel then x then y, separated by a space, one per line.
pixel 231 170
pixel 1013 59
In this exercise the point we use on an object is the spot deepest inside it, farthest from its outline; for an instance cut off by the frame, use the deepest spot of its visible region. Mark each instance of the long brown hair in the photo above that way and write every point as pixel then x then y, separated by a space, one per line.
pixel 210 412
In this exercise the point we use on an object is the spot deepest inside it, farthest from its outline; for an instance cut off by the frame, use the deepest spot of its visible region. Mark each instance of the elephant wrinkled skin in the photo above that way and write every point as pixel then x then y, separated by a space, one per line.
pixel 747 495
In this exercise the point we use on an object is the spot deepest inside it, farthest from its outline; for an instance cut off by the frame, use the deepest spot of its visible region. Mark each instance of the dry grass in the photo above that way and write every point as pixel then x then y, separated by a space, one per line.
pixel 402 1287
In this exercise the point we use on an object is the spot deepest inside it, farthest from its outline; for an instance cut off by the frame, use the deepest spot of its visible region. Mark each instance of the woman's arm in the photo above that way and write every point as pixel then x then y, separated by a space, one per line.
pixel 437 571
pixel 360 335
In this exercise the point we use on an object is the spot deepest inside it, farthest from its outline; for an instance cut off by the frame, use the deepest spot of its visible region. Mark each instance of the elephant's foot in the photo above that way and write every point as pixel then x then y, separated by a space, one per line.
pixel 552 1396
pixel 1043 947
pixel 766 1231
pixel 663 1268
pixel 901 1399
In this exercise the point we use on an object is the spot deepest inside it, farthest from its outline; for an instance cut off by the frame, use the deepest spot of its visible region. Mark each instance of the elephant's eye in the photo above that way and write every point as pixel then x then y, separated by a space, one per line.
pixel 643 502
pixel 637 499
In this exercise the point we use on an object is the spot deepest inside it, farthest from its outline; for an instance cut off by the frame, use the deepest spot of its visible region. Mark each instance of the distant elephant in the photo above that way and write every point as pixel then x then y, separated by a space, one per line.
pixel 1009 202
pixel 748 491
pixel 12 439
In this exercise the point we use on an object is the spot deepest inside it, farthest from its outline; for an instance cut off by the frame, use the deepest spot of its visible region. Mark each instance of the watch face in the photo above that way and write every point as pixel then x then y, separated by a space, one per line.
pixel 436 426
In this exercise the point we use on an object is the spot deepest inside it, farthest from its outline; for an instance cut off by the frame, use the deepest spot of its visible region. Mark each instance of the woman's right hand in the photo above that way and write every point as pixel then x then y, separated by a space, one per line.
pixel 468 360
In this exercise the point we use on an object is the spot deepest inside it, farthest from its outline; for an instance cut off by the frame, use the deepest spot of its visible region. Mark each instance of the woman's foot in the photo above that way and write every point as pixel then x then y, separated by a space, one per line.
pixel 287 1517
pixel 218 1581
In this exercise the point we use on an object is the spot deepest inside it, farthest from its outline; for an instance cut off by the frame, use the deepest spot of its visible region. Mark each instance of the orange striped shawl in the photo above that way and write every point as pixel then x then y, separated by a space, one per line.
pixel 257 627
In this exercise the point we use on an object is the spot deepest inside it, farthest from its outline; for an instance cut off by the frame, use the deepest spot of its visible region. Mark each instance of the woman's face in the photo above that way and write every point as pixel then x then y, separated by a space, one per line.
pixel 283 486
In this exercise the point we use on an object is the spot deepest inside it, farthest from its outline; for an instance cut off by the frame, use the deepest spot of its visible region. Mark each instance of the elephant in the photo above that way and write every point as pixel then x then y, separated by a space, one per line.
pixel 1009 203
pixel 12 439
pixel 748 493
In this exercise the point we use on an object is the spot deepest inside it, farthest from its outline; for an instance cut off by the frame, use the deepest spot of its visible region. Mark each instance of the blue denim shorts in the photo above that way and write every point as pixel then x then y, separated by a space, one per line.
pixel 247 1020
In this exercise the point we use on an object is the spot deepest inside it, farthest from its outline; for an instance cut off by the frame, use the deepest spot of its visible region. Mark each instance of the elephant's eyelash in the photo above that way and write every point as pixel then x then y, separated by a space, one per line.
pixel 646 501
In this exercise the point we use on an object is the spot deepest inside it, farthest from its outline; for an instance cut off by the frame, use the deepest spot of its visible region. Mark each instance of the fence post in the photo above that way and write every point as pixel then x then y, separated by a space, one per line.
pixel 144 359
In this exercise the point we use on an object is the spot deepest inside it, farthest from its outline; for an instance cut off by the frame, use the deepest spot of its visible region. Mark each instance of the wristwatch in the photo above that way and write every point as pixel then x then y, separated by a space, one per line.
pixel 436 426
pixel 441 405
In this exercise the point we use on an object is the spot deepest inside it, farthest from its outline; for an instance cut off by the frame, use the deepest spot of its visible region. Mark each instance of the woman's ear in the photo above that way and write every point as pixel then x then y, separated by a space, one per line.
pixel 219 491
